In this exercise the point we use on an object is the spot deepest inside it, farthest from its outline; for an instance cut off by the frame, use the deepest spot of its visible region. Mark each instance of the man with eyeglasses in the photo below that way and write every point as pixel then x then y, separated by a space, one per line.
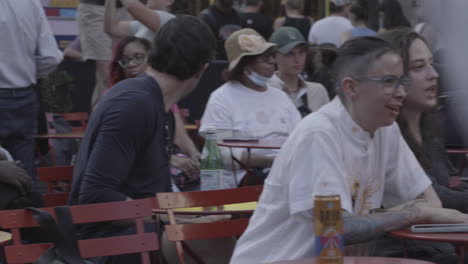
pixel 351 147
pixel 125 152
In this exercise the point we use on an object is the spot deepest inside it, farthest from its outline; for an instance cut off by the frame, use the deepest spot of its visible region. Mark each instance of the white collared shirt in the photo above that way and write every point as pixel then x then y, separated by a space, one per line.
pixel 327 153
pixel 28 49
pixel 317 95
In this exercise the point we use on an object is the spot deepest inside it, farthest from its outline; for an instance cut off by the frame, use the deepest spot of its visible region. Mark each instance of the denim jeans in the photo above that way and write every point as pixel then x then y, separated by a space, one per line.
pixel 18 117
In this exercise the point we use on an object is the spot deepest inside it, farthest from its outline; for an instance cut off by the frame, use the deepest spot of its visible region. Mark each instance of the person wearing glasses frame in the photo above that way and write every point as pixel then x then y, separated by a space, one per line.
pixel 419 123
pixel 351 147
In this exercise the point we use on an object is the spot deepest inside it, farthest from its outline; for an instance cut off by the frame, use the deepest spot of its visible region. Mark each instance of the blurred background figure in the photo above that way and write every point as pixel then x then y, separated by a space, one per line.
pixel 330 28
pixel 294 17
pixel 223 20
pixel 254 19
pixel 358 15
pixel 290 58
pixel 319 66
pixel 393 16
pixel 95 44
pixel 29 52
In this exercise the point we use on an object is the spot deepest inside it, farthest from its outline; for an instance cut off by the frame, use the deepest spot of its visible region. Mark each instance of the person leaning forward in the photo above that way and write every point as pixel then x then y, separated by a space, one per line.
pixel 125 152
pixel 351 147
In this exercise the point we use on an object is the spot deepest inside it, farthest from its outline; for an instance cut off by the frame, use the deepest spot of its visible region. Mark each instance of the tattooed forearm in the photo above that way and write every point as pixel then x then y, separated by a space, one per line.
pixel 361 228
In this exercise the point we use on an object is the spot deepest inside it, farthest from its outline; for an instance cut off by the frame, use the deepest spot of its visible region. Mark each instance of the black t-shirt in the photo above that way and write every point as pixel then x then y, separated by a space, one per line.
pixel 301 23
pixel 261 23
pixel 124 152
pixel 222 25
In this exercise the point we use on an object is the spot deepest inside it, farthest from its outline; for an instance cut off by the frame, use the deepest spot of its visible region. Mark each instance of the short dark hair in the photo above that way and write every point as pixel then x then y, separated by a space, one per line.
pixel 356 57
pixel 186 7
pixel 332 8
pixel 360 9
pixel 401 39
pixel 393 15
pixel 182 47
pixel 237 73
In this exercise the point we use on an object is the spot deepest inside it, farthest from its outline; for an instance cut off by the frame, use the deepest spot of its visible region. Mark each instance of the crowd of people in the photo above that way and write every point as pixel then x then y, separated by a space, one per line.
pixel 357 108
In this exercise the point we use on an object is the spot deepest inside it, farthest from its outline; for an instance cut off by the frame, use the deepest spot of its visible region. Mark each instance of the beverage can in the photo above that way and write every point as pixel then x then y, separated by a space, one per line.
pixel 328 229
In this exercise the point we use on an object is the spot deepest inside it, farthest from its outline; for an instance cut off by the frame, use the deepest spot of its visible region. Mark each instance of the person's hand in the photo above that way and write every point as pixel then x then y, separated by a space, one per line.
pixel 189 166
pixel 196 156
pixel 13 173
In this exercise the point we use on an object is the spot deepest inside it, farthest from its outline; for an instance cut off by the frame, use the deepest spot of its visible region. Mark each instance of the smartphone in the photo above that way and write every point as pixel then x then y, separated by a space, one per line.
pixel 439 228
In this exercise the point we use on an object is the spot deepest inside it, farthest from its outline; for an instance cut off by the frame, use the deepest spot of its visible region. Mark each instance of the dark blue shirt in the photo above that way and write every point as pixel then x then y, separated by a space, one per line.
pixel 125 150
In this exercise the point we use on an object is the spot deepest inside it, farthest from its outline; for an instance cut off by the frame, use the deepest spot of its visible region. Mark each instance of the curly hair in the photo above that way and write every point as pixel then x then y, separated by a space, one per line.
pixel 116 72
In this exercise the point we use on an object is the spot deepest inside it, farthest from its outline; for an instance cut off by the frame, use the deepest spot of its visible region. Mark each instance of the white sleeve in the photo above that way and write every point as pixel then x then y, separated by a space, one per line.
pixel 164 16
pixel 315 167
pixel 406 178
pixel 134 26
pixel 47 53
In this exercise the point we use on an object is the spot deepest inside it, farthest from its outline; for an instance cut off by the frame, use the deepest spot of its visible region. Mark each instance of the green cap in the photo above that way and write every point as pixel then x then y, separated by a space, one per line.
pixel 287 38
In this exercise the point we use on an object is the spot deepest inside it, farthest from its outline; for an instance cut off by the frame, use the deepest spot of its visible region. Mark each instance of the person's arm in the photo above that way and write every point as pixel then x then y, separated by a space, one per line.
pixel 144 14
pixel 279 22
pixel 453 199
pixel 112 25
pixel 47 53
pixel 73 50
pixel 182 139
pixel 360 228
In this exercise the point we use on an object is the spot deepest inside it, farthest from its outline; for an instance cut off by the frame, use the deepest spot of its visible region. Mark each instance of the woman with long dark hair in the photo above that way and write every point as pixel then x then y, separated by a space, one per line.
pixel 418 120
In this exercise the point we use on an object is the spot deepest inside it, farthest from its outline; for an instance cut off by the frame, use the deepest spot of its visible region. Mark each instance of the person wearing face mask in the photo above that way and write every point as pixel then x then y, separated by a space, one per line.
pixel 247 105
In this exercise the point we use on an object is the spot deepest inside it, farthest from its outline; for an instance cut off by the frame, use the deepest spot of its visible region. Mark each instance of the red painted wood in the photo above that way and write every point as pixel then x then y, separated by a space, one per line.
pixel 360 260
pixel 134 209
pixel 181 232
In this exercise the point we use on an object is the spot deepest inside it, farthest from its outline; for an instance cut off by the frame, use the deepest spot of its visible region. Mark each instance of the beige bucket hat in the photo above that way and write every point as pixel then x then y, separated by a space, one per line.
pixel 245 42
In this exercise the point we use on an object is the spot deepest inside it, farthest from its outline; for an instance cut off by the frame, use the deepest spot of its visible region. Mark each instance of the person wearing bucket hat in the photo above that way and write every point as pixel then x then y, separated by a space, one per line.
pixel 330 28
pixel 291 56
pixel 247 106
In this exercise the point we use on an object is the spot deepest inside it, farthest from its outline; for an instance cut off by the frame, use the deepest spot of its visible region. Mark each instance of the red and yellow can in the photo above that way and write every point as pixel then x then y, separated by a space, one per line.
pixel 328 229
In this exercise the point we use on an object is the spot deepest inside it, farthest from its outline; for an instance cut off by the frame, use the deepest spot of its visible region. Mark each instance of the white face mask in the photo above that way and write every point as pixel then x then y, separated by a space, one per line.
pixel 257 78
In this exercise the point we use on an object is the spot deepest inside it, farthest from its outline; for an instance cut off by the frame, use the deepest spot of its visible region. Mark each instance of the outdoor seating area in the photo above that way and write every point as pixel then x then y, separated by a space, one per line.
pixel 233 132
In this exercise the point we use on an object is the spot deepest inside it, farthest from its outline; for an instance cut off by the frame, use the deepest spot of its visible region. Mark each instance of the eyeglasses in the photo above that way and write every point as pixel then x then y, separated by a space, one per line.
pixel 268 56
pixel 137 59
pixel 390 82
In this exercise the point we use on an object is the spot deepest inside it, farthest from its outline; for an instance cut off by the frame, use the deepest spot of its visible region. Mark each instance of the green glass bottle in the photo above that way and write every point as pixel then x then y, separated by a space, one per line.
pixel 211 167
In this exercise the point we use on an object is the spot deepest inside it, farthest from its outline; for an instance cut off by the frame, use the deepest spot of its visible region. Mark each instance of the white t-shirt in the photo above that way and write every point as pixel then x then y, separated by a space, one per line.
pixel 139 30
pixel 317 95
pixel 234 107
pixel 329 30
pixel 327 153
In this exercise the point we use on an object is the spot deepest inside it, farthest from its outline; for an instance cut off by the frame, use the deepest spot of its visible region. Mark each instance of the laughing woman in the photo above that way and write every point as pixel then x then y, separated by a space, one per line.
pixel 418 118
pixel 419 127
